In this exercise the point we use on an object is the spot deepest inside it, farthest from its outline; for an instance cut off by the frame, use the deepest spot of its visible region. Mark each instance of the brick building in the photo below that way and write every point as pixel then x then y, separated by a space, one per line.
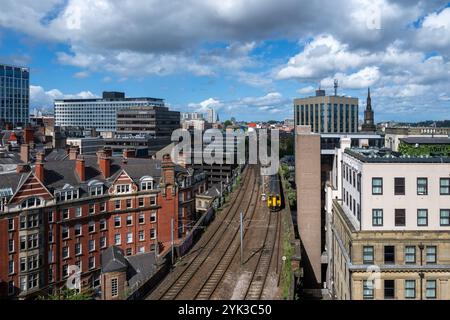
pixel 56 214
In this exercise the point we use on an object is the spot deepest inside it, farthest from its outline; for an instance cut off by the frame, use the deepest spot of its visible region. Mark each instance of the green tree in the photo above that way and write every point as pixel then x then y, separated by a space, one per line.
pixel 227 123
pixel 68 294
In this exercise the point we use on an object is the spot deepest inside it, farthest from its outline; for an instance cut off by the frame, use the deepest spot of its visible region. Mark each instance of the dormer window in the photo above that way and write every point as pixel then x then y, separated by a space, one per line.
pixel 147 183
pixel 31 203
pixel 123 188
pixel 95 188
pixel 67 193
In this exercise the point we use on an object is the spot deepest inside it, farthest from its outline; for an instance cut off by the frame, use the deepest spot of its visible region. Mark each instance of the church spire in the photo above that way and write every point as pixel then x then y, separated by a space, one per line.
pixel 369 100
pixel 369 124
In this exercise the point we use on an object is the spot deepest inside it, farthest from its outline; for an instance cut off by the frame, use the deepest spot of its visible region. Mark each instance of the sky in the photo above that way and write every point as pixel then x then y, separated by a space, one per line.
pixel 247 59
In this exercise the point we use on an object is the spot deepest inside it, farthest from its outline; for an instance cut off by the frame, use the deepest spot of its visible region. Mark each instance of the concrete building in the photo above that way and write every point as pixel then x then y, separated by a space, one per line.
pixel 59 213
pixel 327 114
pixel 212 116
pixel 87 146
pixel 191 116
pixel 394 134
pixel 388 225
pixel 309 211
pixel 14 95
pixel 151 121
pixel 99 114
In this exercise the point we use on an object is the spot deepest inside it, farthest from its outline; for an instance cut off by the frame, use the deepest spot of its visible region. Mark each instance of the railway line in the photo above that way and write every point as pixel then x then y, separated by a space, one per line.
pixel 202 272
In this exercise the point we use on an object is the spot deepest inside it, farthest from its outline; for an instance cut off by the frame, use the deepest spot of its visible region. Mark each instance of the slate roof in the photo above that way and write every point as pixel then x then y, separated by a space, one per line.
pixel 113 259
pixel 141 267
pixel 426 140
pixel 213 191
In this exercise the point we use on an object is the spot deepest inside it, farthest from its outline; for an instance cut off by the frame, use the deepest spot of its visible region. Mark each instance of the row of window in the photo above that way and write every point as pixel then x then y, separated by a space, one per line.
pixel 421 186
pixel 410 255
pixel 410 289
pixel 141 236
pixel 400 217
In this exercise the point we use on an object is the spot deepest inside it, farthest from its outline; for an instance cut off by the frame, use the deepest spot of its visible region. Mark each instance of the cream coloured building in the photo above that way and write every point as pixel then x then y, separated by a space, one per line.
pixel 388 226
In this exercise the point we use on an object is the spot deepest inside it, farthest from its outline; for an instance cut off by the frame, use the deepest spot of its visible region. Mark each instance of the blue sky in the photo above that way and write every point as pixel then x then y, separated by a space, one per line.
pixel 248 60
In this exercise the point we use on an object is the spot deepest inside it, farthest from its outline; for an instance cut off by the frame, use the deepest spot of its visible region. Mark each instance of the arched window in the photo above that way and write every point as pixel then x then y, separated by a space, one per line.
pixel 147 183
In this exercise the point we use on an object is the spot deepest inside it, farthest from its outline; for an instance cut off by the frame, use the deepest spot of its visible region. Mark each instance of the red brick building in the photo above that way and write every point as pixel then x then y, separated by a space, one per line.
pixel 66 212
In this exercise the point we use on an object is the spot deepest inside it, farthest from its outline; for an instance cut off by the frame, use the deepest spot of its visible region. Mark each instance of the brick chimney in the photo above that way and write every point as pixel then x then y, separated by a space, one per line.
pixel 129 153
pixel 25 153
pixel 39 167
pixel 104 163
pixel 74 151
pixel 80 168
pixel 168 168
pixel 28 135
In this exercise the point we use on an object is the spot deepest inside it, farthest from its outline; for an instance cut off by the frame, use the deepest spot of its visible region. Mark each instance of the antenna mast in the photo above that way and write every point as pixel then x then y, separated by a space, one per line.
pixel 336 85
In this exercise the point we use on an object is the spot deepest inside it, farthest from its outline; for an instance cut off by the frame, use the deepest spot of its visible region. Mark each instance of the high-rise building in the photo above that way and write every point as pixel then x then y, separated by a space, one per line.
pixel 152 121
pixel 212 116
pixel 368 125
pixel 99 114
pixel 388 223
pixel 327 114
pixel 14 95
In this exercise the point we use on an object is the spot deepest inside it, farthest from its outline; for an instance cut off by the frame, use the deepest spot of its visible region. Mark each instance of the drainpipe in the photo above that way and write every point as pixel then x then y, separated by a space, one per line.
pixel 421 274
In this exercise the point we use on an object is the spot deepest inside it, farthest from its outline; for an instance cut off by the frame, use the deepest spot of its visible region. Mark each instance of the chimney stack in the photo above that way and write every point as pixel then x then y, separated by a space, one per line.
pixel 25 153
pixel 168 168
pixel 39 167
pixel 74 151
pixel 80 168
pixel 104 163
pixel 28 135
pixel 129 153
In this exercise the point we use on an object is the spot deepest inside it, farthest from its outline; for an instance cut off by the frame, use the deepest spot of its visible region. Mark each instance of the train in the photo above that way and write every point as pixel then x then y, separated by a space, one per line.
pixel 274 195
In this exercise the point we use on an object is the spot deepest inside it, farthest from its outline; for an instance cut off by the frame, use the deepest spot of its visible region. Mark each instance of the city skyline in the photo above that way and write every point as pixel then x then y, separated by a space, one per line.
pixel 236 58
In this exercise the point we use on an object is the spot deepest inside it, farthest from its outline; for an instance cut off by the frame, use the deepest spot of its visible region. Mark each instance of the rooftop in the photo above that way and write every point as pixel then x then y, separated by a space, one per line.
pixel 385 155
pixel 426 140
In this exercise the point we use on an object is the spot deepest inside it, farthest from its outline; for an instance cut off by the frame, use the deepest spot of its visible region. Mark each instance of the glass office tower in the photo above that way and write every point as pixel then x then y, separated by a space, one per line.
pixel 327 114
pixel 14 95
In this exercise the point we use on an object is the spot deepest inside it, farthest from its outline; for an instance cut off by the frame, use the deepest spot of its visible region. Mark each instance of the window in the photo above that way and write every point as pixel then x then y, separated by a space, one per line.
pixel 422 217
pixel 77 230
pixel 31 203
pixel 11 288
pixel 33 280
pixel 368 255
pixel 50 217
pixel 129 203
pixel 103 242
pixel 141 249
pixel 129 237
pixel 117 204
pixel 10 224
pixel 410 254
pixel 153 217
pixel 400 217
pixel 389 289
pixel 117 221
pixel 51 256
pixel 445 186
pixel 23 264
pixel 91 209
pixel 65 252
pixel 410 289
pixel 103 224
pixel 128 251
pixel 141 218
pixel 102 207
pixel 65 271
pixel 11 245
pixel 65 232
pixel 445 217
pixel 141 202
pixel 23 243
pixel 377 217
pixel 152 234
pixel 153 201
pixel 422 186
pixel 65 214
pixel 33 241
pixel 141 235
pixel 91 227
pixel 123 188
pixel 23 222
pixel 377 186
pixel 78 212
pixel 114 287
pixel 129 220
pixel 146 185
pixel 33 221
pixel 91 245
pixel 33 262
pixel 117 239
pixel 389 254
pixel 431 289
pixel 399 186
pixel 91 263
pixel 10 266
pixel 431 254
pixel 23 283
pixel 78 249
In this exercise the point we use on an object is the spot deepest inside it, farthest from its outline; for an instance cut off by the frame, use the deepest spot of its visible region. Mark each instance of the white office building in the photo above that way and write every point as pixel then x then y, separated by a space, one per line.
pixel 99 114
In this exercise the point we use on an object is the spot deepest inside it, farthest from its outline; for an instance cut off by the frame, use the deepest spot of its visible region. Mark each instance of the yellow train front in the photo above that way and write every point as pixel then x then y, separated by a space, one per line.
pixel 274 196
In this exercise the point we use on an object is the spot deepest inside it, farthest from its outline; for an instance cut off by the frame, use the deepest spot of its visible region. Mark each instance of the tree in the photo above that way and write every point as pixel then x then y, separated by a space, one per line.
pixel 68 294
pixel 227 123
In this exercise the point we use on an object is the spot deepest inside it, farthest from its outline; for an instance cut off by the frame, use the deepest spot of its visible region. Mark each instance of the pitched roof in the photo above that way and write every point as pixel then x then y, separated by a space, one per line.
pixel 113 259
pixel 141 267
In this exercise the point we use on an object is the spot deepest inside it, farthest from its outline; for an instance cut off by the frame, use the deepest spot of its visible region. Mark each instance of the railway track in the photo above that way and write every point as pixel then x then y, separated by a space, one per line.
pixel 172 289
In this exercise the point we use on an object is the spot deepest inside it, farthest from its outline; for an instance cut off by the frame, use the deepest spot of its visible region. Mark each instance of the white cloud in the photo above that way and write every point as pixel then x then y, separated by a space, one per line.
pixel 364 78
pixel 306 90
pixel 434 33
pixel 41 98
pixel 81 74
